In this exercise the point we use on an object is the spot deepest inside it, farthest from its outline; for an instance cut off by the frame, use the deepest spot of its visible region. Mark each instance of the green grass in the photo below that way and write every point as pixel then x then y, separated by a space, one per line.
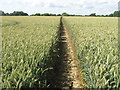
pixel 25 50
pixel 96 41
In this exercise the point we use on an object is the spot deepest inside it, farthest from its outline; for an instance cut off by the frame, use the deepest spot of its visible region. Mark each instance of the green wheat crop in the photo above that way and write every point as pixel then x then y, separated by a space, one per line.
pixel 96 41
pixel 25 50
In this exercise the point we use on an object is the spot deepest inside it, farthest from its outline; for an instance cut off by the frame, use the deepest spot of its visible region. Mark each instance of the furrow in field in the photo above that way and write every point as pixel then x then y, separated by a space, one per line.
pixel 66 70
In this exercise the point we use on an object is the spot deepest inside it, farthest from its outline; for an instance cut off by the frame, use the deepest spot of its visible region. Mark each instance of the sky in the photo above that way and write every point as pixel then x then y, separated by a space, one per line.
pixel 80 7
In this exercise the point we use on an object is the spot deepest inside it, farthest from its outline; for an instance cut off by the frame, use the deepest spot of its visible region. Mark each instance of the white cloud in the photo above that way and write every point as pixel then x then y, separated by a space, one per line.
pixel 119 5
pixel 58 6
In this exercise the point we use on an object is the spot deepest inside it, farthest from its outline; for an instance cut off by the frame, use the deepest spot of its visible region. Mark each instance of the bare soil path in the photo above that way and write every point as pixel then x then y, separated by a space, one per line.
pixel 67 75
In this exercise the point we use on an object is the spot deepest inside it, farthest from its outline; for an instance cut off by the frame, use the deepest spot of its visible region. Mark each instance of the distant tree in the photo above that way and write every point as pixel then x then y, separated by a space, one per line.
pixel 72 15
pixel 76 15
pixel 116 14
pixel 52 14
pixel 11 14
pixel 58 14
pixel 93 14
pixel 2 13
pixel 106 15
pixel 98 15
pixel 111 15
pixel 32 15
pixel 45 14
pixel 18 13
pixel 65 14
pixel 102 15
pixel 7 14
pixel 21 13
pixel 37 14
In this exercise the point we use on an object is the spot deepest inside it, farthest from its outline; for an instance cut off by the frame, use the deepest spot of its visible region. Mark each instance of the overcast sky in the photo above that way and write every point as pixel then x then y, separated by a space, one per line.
pixel 59 6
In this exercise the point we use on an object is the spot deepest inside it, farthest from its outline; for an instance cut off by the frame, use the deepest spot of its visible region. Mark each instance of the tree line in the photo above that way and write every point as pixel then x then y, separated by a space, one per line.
pixel 21 13
pixel 15 13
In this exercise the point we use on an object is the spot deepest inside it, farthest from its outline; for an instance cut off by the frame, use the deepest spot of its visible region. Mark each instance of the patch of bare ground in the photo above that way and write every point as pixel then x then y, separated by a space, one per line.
pixel 66 75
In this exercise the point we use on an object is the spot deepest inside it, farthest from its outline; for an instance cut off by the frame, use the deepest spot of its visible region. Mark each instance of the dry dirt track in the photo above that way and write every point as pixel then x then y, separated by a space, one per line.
pixel 66 73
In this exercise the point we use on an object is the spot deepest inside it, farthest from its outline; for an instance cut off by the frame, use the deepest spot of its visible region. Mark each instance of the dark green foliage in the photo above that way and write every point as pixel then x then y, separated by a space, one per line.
pixel 65 14
pixel 2 13
pixel 15 13
pixel 58 14
pixel 37 14
pixel 18 13
pixel 111 15
pixel 45 14
pixel 116 14
pixel 21 13
pixel 93 14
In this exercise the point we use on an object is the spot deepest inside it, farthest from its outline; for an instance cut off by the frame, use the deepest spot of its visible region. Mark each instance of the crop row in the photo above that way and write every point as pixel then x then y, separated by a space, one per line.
pixel 96 41
pixel 25 50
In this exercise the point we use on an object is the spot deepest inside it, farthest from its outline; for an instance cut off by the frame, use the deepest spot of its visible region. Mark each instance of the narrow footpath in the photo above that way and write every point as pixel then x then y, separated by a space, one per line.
pixel 66 68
